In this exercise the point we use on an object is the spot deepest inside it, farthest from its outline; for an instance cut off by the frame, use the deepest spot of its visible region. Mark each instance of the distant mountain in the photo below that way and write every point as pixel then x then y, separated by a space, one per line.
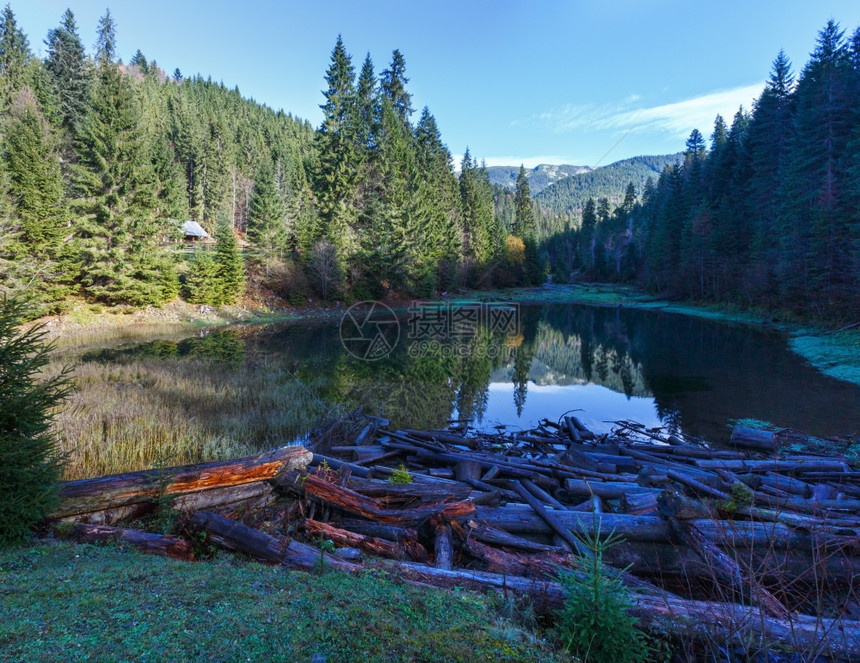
pixel 540 177
pixel 570 194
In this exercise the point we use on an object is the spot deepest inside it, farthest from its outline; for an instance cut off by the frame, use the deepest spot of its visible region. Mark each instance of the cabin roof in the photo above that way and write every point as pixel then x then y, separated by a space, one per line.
pixel 193 229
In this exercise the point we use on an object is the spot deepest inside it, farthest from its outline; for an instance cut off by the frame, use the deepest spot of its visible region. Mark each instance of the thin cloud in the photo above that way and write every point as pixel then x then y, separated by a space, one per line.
pixel 676 119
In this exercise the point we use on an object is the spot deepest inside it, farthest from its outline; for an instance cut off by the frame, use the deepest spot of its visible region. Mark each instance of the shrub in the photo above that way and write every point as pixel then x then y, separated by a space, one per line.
pixel 30 463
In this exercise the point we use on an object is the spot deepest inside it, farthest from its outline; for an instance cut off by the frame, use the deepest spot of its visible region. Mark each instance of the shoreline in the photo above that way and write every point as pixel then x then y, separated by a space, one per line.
pixel 836 354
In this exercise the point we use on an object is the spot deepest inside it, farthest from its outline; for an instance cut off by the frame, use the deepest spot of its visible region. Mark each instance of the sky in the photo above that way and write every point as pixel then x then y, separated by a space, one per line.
pixel 580 82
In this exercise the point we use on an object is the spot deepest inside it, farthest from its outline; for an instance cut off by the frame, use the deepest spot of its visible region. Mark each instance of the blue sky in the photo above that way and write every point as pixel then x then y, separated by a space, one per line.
pixel 581 81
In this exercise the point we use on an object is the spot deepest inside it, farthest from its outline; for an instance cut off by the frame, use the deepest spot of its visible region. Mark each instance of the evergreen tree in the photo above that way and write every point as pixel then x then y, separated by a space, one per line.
pixel 117 232
pixel 106 40
pixel 202 285
pixel 524 224
pixel 69 69
pixel 15 58
pixel 393 85
pixel 337 170
pixel 230 268
pixel 35 181
pixel 266 228
pixel 30 461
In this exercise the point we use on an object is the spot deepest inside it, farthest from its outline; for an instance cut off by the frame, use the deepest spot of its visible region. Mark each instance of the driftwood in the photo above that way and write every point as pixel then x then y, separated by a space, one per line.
pixel 264 547
pixel 345 538
pixel 154 544
pixel 116 496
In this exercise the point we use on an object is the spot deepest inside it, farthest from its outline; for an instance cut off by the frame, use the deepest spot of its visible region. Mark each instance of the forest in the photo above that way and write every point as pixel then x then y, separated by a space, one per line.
pixel 102 161
pixel 766 215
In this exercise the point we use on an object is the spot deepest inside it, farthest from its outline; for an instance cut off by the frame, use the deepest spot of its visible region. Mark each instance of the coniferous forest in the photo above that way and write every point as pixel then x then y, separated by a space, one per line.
pixel 766 213
pixel 102 161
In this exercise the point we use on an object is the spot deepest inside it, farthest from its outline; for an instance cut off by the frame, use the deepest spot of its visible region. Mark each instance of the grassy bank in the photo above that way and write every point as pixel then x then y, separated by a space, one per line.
pixel 131 416
pixel 86 603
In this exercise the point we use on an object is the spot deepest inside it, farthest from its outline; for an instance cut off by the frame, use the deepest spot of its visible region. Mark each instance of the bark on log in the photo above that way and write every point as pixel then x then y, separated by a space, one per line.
pixel 367 507
pixel 444 548
pixel 155 544
pixel 436 492
pixel 754 438
pixel 238 537
pixel 345 538
pixel 118 491
pixel 552 521
pixel 719 622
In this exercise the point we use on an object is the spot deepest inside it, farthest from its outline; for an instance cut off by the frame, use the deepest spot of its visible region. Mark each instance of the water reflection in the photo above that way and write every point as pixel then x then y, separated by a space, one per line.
pixel 655 368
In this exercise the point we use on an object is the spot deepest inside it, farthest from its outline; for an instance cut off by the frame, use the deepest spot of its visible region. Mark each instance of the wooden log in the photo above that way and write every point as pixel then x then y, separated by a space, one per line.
pixel 467 469
pixel 754 438
pixel 700 620
pixel 154 544
pixel 426 492
pixel 356 503
pixel 546 564
pixel 238 537
pixel 697 486
pixel 340 465
pixel 250 495
pixel 541 494
pixel 639 504
pixel 345 538
pixel 726 569
pixel 607 490
pixel 552 521
pixel 572 431
pixel 443 548
pixel 498 537
pixel 116 491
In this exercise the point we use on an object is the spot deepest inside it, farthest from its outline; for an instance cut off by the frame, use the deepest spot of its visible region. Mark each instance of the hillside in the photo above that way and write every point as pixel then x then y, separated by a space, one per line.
pixel 540 177
pixel 570 194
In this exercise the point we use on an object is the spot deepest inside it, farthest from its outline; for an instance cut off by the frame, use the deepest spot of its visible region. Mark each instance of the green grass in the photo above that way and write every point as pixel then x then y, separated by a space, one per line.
pixel 87 603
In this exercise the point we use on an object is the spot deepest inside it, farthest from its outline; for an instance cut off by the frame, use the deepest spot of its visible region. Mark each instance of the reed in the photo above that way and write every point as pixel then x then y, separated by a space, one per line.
pixel 127 416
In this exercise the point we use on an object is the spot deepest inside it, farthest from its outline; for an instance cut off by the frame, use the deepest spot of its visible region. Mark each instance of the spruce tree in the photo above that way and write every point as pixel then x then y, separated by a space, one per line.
pixel 117 232
pixel 69 70
pixel 15 58
pixel 266 227
pixel 30 461
pixel 202 285
pixel 230 268
pixel 524 223
pixel 393 85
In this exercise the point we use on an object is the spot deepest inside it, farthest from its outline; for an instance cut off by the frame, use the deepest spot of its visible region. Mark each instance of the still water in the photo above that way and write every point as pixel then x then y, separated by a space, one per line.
pixel 514 365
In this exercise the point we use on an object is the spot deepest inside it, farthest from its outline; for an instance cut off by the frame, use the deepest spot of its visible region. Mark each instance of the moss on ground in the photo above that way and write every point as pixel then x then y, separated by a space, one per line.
pixel 837 355
pixel 76 603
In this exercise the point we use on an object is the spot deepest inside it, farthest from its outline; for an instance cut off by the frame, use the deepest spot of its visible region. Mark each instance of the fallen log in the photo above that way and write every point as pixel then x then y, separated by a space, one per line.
pixel 238 537
pixel 700 620
pixel 154 544
pixel 754 438
pixel 350 501
pixel 552 521
pixel 426 492
pixel 115 496
pixel 444 547
pixel 345 538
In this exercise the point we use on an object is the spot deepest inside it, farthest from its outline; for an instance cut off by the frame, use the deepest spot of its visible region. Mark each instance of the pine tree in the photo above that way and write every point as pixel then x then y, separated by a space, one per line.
pixel 69 69
pixel 202 285
pixel 230 268
pixel 266 228
pixel 106 40
pixel 35 180
pixel 15 58
pixel 393 85
pixel 337 169
pixel 524 224
pixel 30 462
pixel 117 232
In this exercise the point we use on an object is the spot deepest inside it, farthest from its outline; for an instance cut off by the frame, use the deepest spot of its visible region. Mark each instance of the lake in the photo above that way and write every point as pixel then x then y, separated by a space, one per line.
pixel 507 365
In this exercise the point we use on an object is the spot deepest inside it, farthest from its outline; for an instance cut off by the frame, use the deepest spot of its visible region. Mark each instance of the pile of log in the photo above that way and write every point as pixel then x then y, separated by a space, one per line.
pixel 723 543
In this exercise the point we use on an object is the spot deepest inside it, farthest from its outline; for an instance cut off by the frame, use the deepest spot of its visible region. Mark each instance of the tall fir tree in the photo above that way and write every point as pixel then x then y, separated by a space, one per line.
pixel 230 267
pixel 267 232
pixel 15 58
pixel 117 232
pixel 69 69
